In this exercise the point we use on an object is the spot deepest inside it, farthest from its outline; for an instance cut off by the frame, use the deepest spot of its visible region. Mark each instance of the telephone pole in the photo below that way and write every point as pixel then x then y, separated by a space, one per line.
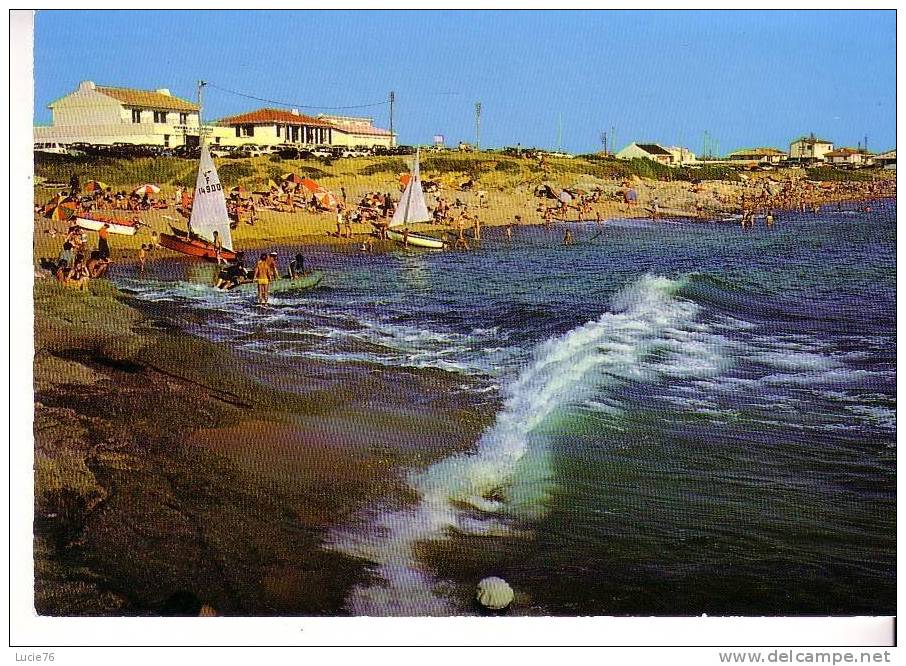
pixel 392 100
pixel 478 125
pixel 201 85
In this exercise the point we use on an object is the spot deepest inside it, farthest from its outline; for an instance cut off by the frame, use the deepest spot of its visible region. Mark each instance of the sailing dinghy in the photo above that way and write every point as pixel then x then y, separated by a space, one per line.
pixel 412 210
pixel 209 214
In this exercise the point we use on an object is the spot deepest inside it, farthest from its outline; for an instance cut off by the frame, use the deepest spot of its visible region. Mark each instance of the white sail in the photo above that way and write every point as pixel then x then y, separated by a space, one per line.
pixel 412 207
pixel 209 211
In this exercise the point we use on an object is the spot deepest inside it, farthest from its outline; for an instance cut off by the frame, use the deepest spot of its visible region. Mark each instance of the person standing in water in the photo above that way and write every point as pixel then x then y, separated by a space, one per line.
pixel 568 238
pixel 262 278
pixel 218 248
pixel 103 245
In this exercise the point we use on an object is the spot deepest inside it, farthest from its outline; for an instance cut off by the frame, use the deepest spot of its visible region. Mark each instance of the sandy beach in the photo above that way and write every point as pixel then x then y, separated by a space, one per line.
pixel 498 195
pixel 261 457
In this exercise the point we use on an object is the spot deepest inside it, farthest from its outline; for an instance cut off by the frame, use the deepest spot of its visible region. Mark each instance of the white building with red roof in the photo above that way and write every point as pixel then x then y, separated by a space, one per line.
pixel 271 127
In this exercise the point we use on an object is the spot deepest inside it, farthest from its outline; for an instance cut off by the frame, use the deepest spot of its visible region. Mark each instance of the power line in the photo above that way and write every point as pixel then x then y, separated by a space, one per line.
pixel 297 106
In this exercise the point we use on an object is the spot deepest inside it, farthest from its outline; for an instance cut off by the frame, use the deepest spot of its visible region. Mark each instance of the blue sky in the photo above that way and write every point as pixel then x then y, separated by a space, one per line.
pixel 748 78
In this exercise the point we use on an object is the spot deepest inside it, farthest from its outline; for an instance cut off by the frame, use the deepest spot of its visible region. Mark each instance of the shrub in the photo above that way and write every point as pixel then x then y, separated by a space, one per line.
pixel 235 170
pixel 393 166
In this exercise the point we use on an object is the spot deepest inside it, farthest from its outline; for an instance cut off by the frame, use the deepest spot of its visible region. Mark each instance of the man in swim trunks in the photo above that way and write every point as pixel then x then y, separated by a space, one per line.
pixel 262 278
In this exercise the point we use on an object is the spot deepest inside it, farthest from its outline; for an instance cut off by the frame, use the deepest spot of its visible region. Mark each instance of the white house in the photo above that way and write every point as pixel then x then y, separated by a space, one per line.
pixel 758 155
pixel 273 127
pixel 646 151
pixel 681 155
pixel 355 131
pixel 810 148
pixel 887 159
pixel 106 115
pixel 849 156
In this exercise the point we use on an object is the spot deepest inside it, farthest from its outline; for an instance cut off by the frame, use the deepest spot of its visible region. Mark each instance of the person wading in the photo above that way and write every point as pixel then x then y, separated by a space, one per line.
pixel 262 278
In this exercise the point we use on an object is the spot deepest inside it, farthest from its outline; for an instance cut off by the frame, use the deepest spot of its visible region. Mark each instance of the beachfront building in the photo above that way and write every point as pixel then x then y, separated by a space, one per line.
pixel 849 157
pixel 758 156
pixel 273 127
pixel 810 149
pixel 355 131
pixel 681 155
pixel 646 151
pixel 887 159
pixel 104 115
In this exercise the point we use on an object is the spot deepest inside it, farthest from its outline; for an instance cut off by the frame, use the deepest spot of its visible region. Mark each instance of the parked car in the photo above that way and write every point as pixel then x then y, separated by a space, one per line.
pixel 249 150
pixel 187 152
pixel 352 152
pixel 221 151
pixel 323 152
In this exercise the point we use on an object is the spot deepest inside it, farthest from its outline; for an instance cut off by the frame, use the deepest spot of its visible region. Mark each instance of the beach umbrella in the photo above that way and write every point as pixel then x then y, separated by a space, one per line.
pixel 404 180
pixel 565 197
pixel 271 185
pixel 147 188
pixel 95 186
pixel 324 196
pixel 61 208
pixel 293 178
pixel 240 190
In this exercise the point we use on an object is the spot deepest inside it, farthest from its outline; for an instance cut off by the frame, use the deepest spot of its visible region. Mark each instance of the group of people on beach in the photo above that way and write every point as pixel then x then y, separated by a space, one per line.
pixel 76 262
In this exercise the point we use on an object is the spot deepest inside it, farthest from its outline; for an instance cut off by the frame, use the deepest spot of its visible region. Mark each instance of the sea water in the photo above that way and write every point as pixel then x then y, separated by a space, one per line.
pixel 683 419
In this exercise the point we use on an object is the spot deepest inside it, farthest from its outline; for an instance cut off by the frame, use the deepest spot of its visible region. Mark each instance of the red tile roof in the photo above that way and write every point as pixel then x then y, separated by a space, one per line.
pixel 147 99
pixel 273 117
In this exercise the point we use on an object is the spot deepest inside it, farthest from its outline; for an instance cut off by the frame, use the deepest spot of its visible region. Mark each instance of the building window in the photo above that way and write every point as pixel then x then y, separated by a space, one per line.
pixel 166 140
pixel 136 115
pixel 278 131
pixel 160 117
pixel 245 130
pixel 183 118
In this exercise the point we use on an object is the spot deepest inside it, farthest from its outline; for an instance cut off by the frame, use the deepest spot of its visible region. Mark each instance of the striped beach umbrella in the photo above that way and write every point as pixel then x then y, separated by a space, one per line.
pixel 95 186
pixel 147 188
pixel 60 208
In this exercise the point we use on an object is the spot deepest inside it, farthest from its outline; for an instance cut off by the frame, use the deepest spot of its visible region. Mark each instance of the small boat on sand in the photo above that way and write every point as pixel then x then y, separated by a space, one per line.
pixel 179 241
pixel 93 222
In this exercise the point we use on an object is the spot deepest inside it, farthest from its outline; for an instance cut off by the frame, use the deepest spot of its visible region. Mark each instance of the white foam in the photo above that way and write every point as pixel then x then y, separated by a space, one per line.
pixel 508 475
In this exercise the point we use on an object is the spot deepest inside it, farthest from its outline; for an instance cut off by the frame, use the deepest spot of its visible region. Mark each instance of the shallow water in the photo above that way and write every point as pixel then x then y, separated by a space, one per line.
pixel 689 418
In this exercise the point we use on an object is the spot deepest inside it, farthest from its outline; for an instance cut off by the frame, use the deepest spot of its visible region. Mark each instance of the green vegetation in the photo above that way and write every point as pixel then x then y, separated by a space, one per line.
pixel 390 165
pixel 829 173
pixel 116 172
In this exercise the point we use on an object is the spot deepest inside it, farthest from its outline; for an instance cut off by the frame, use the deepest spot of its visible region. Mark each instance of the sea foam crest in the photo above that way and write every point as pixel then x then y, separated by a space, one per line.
pixel 508 474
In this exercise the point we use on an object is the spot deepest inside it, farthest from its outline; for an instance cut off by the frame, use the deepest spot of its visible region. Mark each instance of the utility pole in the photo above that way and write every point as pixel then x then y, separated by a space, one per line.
pixel 478 125
pixel 559 131
pixel 603 137
pixel 865 144
pixel 201 85
pixel 392 100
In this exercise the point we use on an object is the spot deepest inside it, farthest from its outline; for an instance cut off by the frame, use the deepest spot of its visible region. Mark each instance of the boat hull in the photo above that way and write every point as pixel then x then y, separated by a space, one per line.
pixel 284 285
pixel 194 248
pixel 123 228
pixel 417 240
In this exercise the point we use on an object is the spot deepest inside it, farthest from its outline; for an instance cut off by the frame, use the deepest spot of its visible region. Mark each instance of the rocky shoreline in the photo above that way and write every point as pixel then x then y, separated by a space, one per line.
pixel 164 486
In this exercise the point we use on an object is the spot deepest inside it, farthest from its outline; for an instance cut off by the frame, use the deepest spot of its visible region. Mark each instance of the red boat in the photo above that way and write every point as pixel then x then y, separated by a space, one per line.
pixel 195 247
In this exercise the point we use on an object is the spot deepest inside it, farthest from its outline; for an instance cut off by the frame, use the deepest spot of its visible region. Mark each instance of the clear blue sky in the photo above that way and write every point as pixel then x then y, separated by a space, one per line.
pixel 748 78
